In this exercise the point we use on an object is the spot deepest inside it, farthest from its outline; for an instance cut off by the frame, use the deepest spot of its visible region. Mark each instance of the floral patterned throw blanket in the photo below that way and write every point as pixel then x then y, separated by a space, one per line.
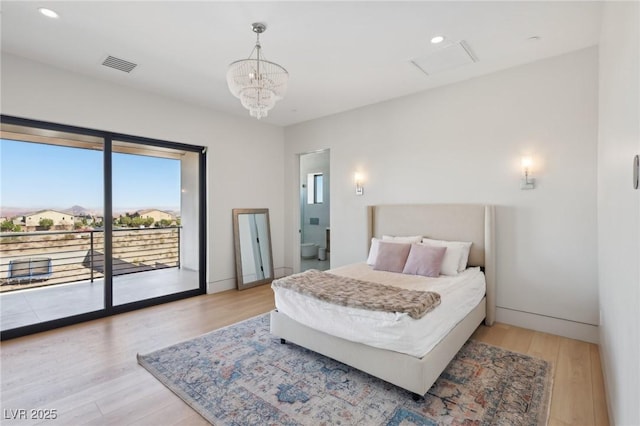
pixel 360 294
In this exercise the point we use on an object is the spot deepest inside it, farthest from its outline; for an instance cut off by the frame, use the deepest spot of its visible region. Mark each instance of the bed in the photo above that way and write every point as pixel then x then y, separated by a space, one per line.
pixel 453 222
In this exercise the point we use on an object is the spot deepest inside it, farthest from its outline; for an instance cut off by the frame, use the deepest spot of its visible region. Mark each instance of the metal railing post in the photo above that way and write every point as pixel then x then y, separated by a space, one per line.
pixel 91 251
pixel 179 247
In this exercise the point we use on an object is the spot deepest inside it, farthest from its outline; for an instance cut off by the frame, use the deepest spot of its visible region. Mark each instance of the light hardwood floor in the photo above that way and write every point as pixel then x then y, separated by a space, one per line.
pixel 88 372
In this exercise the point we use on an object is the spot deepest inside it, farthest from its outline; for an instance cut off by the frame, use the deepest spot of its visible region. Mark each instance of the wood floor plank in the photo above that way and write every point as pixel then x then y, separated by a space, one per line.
pixel 492 335
pixel 517 339
pixel 89 372
pixel 573 405
pixel 78 415
pixel 600 413
pixel 115 401
pixel 192 420
pixel 555 422
pixel 135 409
pixel 170 414
pixel 55 385
pixel 99 391
pixel 545 346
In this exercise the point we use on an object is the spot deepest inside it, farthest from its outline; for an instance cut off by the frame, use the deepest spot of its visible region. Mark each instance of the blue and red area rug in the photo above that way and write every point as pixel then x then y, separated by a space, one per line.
pixel 242 375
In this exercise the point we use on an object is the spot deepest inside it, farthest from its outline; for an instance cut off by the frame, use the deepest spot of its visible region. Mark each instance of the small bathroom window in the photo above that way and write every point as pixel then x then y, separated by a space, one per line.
pixel 314 188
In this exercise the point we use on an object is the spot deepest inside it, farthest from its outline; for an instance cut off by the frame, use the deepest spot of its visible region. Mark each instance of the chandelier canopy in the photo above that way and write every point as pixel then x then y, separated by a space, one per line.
pixel 258 83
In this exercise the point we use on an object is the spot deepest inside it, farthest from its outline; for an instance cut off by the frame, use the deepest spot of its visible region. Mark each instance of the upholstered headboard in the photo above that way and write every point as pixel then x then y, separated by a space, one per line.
pixel 454 222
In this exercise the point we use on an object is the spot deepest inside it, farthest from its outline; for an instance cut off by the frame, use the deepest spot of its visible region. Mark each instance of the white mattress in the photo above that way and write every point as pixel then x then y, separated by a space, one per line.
pixel 393 331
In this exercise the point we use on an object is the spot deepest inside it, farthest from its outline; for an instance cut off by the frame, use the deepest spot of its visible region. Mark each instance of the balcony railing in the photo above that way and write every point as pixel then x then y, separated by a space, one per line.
pixel 34 259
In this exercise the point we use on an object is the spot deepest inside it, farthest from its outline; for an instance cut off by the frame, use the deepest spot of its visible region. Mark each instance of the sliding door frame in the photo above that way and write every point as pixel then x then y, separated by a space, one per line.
pixel 109 309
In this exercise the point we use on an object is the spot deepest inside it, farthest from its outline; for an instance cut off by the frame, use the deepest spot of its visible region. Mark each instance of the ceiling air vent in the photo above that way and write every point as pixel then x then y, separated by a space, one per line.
pixel 119 64
pixel 446 58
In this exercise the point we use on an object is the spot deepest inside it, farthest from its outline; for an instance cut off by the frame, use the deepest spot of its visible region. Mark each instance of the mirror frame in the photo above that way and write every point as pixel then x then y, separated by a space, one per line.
pixel 240 284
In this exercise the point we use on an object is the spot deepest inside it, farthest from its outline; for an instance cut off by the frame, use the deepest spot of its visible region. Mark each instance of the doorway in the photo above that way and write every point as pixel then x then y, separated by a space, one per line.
pixel 315 202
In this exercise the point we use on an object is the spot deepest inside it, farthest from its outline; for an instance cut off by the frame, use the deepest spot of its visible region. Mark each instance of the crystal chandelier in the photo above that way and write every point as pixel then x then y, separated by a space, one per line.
pixel 257 82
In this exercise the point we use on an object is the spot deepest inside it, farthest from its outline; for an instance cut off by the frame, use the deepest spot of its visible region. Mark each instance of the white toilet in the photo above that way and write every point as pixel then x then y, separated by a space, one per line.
pixel 308 251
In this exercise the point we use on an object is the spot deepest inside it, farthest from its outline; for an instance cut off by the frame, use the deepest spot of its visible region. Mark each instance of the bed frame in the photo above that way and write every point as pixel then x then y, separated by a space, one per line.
pixel 456 222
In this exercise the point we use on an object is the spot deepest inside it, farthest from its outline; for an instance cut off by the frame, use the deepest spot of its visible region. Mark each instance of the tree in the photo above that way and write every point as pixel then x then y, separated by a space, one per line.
pixel 164 223
pixel 138 222
pixel 46 223
pixel 80 224
pixel 125 220
pixel 8 226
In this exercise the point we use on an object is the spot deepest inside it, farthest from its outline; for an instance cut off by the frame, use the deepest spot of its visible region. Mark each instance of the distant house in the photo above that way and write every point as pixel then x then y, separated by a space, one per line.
pixel 156 215
pixel 31 222
pixel 87 219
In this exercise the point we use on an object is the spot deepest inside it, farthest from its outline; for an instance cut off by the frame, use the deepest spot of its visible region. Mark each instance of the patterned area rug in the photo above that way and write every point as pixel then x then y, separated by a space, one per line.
pixel 242 375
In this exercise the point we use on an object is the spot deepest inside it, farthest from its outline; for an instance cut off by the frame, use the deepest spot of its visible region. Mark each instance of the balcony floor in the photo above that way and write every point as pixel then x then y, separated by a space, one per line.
pixel 35 305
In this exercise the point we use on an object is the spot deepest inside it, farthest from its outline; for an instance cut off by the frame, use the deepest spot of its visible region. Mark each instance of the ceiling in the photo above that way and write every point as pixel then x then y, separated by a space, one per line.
pixel 340 55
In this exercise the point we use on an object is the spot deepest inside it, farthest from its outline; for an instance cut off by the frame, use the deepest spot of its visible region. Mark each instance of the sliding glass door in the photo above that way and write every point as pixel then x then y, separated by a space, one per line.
pixel 95 223
pixel 52 211
pixel 155 212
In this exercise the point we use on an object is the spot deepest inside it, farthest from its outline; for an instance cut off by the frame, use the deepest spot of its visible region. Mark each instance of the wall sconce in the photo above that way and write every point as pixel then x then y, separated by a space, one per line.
pixel 527 181
pixel 359 188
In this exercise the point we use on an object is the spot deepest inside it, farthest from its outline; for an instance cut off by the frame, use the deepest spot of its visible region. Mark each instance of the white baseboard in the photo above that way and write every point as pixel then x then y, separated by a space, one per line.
pixel 221 285
pixel 560 327
pixel 230 283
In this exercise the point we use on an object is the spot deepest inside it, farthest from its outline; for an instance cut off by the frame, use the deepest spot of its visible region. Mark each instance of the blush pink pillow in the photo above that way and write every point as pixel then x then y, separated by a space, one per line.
pixel 424 260
pixel 391 256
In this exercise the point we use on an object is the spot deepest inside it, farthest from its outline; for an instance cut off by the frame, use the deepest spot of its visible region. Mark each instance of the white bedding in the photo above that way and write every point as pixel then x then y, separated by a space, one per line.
pixel 394 331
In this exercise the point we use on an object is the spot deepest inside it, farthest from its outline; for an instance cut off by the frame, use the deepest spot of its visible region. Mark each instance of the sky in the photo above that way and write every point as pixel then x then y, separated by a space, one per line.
pixel 34 175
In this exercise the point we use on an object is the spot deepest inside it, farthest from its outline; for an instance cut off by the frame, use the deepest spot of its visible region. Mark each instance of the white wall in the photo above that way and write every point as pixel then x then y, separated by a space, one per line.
pixel 244 158
pixel 619 209
pixel 462 144
pixel 190 211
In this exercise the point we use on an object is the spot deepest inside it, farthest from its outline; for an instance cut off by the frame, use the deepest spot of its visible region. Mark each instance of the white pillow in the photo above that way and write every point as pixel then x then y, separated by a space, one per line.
pixel 373 251
pixel 410 240
pixel 456 256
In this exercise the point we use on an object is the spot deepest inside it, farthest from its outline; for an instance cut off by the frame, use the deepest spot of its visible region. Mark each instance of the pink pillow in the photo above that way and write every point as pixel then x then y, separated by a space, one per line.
pixel 391 256
pixel 424 260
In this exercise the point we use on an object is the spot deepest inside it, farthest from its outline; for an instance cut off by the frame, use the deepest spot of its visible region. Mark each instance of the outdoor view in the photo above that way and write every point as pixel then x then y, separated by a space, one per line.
pixel 52 216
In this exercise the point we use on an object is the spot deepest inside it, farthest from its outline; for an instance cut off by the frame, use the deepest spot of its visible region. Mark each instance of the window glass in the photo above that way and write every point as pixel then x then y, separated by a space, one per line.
pixel 314 188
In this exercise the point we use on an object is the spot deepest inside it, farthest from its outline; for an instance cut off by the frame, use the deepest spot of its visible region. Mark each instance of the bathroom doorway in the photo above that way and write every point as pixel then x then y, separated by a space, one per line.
pixel 315 230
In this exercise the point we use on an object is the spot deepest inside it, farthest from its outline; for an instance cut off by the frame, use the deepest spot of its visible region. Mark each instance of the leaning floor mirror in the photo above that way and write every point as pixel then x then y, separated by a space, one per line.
pixel 252 238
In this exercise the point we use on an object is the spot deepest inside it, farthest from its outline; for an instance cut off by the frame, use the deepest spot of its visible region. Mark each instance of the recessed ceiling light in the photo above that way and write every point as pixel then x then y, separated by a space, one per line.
pixel 48 12
pixel 437 39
